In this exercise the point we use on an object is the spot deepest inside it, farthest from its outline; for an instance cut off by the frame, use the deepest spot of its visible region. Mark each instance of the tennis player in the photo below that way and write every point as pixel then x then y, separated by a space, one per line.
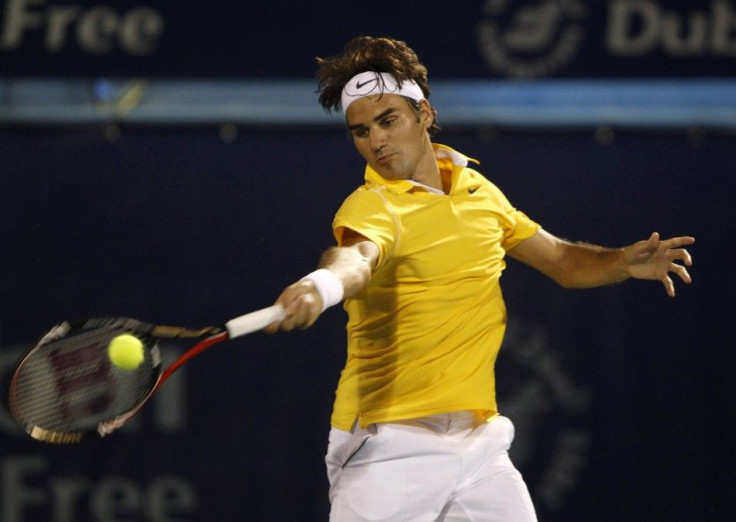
pixel 416 433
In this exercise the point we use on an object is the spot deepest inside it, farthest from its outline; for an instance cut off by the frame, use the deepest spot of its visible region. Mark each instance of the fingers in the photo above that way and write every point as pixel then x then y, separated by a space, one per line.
pixel 302 306
pixel 642 250
pixel 654 241
pixel 679 254
pixel 669 286
pixel 681 272
pixel 668 254
pixel 301 313
pixel 676 242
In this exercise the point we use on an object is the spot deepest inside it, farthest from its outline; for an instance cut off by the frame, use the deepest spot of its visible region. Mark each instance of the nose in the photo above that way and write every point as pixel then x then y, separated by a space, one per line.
pixel 378 139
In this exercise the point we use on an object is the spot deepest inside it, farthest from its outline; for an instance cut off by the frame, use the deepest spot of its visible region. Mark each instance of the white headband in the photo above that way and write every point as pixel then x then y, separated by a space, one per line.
pixel 369 83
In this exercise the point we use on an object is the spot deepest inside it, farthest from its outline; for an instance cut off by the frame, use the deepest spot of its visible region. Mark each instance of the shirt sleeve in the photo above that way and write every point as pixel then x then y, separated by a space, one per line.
pixel 517 226
pixel 366 213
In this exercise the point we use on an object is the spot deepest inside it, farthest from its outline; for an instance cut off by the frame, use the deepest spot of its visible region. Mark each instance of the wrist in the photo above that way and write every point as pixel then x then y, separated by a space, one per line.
pixel 328 286
pixel 625 263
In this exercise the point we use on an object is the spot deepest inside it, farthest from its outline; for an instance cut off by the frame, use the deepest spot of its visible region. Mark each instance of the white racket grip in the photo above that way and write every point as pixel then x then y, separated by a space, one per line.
pixel 253 321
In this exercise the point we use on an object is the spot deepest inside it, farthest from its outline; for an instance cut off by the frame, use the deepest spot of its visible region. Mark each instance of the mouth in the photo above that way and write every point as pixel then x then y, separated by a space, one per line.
pixel 385 159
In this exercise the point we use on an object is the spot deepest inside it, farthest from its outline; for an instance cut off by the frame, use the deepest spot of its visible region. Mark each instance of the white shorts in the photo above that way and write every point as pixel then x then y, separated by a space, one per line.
pixel 449 467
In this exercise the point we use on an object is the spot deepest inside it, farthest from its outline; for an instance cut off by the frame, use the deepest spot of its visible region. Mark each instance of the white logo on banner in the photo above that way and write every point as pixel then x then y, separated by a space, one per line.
pixel 97 29
pixel 639 27
pixel 526 41
pixel 538 39
pixel 545 405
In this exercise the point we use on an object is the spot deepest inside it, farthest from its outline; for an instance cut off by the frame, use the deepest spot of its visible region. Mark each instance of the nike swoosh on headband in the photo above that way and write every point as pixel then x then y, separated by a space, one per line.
pixel 360 86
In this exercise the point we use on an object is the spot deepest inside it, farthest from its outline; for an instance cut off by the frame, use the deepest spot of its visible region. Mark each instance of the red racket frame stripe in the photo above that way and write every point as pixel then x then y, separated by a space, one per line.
pixel 190 354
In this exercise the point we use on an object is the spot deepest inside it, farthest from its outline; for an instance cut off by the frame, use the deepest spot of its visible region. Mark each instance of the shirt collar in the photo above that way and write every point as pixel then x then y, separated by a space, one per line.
pixel 441 152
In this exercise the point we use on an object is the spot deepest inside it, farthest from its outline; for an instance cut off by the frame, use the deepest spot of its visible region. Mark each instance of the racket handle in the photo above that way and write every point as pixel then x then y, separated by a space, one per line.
pixel 253 321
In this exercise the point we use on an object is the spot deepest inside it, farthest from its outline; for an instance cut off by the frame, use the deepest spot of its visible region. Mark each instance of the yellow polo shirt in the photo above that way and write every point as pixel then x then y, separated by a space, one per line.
pixel 424 334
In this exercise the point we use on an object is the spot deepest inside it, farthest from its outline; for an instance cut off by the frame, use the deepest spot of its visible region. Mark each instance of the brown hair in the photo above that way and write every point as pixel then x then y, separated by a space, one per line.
pixel 367 53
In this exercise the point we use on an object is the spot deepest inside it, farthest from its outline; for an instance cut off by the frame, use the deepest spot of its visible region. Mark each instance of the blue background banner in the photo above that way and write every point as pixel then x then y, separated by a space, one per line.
pixel 468 39
pixel 621 396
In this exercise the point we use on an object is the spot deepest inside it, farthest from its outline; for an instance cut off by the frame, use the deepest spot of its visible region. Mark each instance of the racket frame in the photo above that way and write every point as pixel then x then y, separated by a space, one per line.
pixel 210 335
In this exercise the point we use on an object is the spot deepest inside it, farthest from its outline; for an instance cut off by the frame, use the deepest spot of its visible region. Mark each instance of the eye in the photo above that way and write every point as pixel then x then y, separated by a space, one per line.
pixel 361 132
pixel 387 122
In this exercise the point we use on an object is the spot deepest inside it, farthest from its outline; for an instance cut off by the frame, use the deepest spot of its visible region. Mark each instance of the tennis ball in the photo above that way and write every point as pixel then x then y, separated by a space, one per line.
pixel 126 352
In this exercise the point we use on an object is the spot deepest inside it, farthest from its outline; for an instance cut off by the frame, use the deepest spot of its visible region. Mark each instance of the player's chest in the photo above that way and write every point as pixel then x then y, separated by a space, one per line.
pixel 449 234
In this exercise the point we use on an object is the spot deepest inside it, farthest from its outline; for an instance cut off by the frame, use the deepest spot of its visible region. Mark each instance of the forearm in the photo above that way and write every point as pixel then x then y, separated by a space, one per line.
pixel 352 265
pixel 572 265
pixel 584 265
pixel 581 265
pixel 342 273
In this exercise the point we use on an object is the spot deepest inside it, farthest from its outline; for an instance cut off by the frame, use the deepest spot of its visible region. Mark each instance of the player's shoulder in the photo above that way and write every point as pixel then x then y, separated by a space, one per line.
pixel 476 177
pixel 365 196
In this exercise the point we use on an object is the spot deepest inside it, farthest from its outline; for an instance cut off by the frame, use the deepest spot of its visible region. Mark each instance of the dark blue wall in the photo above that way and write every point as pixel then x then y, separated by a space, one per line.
pixel 622 397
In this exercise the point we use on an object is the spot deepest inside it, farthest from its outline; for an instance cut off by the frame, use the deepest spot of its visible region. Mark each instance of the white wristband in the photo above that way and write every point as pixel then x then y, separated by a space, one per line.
pixel 328 286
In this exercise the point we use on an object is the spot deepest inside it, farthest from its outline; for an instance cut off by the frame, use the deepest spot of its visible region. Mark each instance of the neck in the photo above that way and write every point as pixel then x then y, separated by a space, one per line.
pixel 427 171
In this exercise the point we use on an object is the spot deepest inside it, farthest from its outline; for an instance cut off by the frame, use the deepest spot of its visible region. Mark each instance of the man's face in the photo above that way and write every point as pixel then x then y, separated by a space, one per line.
pixel 389 135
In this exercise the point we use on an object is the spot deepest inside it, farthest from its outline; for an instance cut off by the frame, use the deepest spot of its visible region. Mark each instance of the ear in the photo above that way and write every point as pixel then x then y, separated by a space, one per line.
pixel 425 113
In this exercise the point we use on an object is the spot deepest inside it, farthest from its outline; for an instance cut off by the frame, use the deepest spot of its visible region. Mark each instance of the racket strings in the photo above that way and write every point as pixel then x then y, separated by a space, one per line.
pixel 69 384
pixel 66 386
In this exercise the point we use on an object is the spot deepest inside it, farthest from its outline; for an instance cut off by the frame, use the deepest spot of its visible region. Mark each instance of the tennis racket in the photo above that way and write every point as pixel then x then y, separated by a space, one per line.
pixel 65 388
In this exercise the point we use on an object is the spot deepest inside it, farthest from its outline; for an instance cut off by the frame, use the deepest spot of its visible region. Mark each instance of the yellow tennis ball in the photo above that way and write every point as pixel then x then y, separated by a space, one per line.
pixel 126 352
